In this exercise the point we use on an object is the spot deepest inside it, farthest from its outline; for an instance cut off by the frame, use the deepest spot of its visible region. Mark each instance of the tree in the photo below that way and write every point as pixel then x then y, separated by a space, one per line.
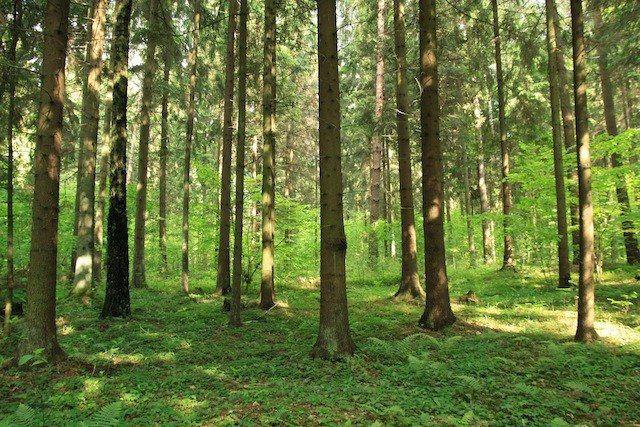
pixel 164 153
pixel 437 313
pixel 223 282
pixel 586 294
pixel 564 267
pixel 410 282
pixel 139 276
pixel 117 302
pixel 83 272
pixel 191 114
pixel 98 234
pixel 508 262
pixel 41 286
pixel 235 307
pixel 466 179
pixel 267 294
pixel 481 125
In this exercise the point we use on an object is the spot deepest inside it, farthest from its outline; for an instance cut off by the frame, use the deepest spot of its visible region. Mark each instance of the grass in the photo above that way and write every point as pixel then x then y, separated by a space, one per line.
pixel 510 359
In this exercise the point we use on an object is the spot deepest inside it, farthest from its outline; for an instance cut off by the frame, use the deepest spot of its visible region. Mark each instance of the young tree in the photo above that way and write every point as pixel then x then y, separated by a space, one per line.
pixel 586 293
pixel 267 294
pixel 191 114
pixel 139 276
pixel 508 262
pixel 83 272
pixel 235 307
pixel 41 286
pixel 410 282
pixel 437 313
pixel 223 282
pixel 564 267
pixel 117 302
pixel 334 338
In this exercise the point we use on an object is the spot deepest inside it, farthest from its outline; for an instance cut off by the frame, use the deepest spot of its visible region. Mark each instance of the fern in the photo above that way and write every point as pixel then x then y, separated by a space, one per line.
pixel 109 416
pixel 24 416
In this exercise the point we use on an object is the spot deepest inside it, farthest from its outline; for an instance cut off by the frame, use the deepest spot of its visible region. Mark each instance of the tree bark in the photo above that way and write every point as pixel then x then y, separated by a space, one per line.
pixel 334 337
pixel 98 235
pixel 117 302
pixel 437 313
pixel 139 276
pixel 471 245
pixel 164 154
pixel 586 293
pixel 267 297
pixel 564 267
pixel 41 285
pixel 488 248
pixel 410 282
pixel 83 272
pixel 508 262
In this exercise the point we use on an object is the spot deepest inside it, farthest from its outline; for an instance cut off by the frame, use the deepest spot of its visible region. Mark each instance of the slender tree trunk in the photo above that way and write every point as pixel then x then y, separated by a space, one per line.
pixel 288 176
pixel 236 282
pixel 586 294
pixel 267 296
pixel 488 249
pixel 437 313
pixel 564 267
pixel 630 240
pixel 83 276
pixel 410 283
pixel 191 114
pixel 376 140
pixel 16 25
pixel 471 245
pixel 102 192
pixel 508 262
pixel 164 154
pixel 117 302
pixel 334 338
pixel 139 276
pixel 624 93
pixel 41 286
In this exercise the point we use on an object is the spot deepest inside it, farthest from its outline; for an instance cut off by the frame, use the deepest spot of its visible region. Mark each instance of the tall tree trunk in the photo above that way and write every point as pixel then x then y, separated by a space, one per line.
pixel 630 240
pixel 98 235
pixel 139 276
pixel 508 262
pixel 191 114
pixel 236 282
pixel 41 286
pixel 437 313
pixel 471 245
pixel 288 176
pixel 586 293
pixel 410 282
pixel 624 93
pixel 16 25
pixel 117 302
pixel 376 139
pixel 83 272
pixel 164 154
pixel 267 296
pixel 334 338
pixel 488 248
pixel 564 267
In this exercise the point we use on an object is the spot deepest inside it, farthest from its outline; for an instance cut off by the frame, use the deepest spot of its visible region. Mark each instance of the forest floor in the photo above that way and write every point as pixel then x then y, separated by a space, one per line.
pixel 510 359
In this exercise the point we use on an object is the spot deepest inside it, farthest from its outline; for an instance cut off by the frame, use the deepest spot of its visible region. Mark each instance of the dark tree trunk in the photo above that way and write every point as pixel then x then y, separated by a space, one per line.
pixel 117 302
pixel 334 338
pixel 437 313
pixel 41 286
pixel 267 296
pixel 164 153
pixel 564 267
pixel 410 283
pixel 586 294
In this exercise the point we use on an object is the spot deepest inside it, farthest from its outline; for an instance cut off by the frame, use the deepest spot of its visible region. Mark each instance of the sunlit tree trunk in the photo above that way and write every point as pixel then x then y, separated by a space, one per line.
pixel 586 294
pixel 437 313
pixel 41 286
pixel 98 229
pixel 117 302
pixel 334 337
pixel 488 248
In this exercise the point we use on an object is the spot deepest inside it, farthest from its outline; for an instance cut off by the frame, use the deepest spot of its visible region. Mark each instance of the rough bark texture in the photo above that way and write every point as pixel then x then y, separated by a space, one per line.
pixel 223 282
pixel 267 297
pixel 117 301
pixel 488 247
pixel 98 228
pixel 83 272
pixel 164 153
pixel 139 276
pixel 586 293
pixel 508 261
pixel 630 240
pixel 437 313
pixel 334 338
pixel 41 285
pixel 236 282
pixel 410 282
pixel 564 267
pixel 191 114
